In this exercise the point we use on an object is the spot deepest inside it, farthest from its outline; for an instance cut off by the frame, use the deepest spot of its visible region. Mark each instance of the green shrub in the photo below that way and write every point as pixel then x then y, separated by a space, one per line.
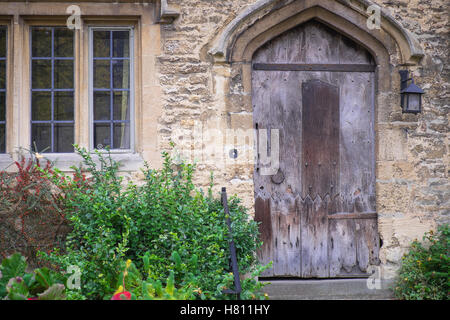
pixel 97 211
pixel 424 274
pixel 17 284
pixel 142 287
pixel 166 224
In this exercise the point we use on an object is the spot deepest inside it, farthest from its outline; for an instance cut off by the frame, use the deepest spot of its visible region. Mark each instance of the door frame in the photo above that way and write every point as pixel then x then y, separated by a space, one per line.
pixel 273 233
pixel 392 46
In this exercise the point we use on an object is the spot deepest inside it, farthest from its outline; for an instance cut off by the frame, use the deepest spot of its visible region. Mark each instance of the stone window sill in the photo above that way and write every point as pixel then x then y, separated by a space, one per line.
pixel 64 161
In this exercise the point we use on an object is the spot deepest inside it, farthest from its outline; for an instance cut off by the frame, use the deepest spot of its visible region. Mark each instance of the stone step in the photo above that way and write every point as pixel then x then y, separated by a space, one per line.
pixel 327 289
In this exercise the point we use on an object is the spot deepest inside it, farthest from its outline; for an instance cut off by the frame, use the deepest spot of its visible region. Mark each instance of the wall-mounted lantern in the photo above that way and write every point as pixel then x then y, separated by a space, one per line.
pixel 411 96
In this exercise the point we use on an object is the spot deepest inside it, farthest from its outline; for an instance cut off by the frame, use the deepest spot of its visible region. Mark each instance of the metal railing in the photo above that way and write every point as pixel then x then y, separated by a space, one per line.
pixel 233 258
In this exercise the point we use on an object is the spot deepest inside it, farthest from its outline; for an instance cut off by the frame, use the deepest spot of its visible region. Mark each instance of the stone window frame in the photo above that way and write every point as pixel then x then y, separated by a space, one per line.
pixel 82 108
pixel 142 18
pixel 24 135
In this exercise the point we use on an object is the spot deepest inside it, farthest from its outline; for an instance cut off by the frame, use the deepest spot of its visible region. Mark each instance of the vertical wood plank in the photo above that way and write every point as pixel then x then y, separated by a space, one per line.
pixel 263 216
pixel 320 130
pixel 357 138
pixel 314 238
pixel 341 246
pixel 367 243
pixel 286 260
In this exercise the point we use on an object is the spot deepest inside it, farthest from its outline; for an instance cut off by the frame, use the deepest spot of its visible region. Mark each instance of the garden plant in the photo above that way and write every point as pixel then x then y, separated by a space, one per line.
pixel 424 274
pixel 160 239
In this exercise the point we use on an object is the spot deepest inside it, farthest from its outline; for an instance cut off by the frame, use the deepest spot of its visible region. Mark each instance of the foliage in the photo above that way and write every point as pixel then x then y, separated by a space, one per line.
pixel 31 216
pixel 166 225
pixel 145 288
pixel 424 274
pixel 251 287
pixel 17 284
pixel 97 210
pixel 180 223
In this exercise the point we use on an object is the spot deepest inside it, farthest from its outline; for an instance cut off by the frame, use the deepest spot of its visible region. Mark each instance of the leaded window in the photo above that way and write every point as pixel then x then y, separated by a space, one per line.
pixel 111 66
pixel 3 39
pixel 52 89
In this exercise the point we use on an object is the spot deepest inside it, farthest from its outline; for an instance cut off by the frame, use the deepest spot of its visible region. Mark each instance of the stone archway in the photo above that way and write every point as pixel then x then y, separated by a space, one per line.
pixel 260 17
pixel 391 46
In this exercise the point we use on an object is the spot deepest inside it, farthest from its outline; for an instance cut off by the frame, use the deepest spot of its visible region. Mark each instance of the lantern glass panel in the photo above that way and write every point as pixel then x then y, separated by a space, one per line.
pixel 414 102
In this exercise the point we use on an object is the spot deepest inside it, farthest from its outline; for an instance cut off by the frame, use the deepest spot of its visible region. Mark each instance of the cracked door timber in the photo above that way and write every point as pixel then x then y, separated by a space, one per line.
pixel 317 212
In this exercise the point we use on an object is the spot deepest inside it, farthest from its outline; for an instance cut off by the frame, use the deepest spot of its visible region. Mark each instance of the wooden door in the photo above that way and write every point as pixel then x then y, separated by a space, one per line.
pixel 317 212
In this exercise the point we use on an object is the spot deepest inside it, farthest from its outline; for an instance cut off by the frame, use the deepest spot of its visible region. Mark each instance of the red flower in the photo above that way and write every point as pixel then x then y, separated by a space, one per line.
pixel 124 295
pixel 33 298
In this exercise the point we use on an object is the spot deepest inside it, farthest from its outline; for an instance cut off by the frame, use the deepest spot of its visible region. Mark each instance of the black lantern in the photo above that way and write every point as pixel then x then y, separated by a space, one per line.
pixel 411 96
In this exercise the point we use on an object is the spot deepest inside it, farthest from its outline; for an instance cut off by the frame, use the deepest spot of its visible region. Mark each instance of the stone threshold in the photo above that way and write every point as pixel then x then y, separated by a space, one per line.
pixel 327 289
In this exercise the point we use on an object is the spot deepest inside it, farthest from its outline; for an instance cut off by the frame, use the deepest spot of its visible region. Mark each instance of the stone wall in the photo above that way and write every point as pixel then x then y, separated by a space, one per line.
pixel 413 191
pixel 200 96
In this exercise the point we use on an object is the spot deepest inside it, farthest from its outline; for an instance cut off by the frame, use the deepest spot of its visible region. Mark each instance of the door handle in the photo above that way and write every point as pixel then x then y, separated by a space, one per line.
pixel 278 177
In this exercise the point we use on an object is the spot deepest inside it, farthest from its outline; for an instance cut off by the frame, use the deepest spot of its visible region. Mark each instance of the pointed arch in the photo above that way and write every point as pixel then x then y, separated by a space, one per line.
pixel 267 19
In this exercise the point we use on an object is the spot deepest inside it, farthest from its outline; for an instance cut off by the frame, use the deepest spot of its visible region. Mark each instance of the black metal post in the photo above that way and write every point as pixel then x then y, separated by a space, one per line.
pixel 237 281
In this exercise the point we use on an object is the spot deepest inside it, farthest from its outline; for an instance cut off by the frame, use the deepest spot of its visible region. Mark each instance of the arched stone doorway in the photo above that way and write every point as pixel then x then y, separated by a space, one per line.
pixel 305 237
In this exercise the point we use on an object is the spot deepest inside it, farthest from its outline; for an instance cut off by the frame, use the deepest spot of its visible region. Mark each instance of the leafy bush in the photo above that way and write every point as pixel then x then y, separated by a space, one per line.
pixel 17 284
pixel 134 286
pixel 31 215
pixel 424 274
pixel 166 225
pixel 97 210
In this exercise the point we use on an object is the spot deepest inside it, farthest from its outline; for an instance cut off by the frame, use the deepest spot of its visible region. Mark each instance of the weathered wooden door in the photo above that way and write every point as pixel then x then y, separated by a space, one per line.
pixel 317 212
